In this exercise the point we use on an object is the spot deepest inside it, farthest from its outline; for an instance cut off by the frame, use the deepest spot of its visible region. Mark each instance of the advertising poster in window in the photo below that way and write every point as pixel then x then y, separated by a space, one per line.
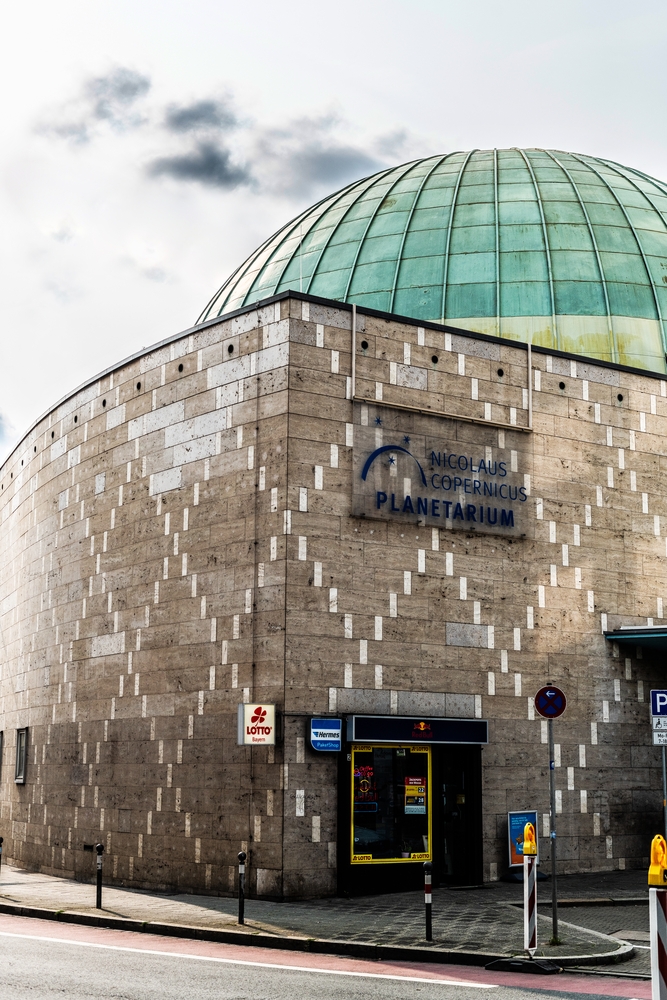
pixel 391 804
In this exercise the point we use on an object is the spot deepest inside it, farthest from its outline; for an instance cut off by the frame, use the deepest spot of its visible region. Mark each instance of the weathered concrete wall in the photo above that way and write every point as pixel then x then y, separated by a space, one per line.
pixel 171 549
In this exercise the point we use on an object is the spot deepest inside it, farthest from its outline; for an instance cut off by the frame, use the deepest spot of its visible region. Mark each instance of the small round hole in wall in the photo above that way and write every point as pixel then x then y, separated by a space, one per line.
pixel 620 397
pixel 76 420
pixel 230 349
pixel 561 385
pixel 180 368
pixel 104 402
pixel 434 359
pixel 53 434
pixel 501 372
pixel 138 385
pixel 364 345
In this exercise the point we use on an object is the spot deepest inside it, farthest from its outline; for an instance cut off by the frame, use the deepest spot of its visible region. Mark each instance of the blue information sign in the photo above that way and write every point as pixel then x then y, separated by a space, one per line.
pixel 326 734
pixel 658 702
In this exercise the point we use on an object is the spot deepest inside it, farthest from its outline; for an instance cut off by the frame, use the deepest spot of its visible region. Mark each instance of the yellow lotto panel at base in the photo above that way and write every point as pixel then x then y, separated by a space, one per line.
pixel 390 804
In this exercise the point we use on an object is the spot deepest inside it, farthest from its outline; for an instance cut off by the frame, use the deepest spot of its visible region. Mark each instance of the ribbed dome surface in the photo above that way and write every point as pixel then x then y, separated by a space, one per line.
pixel 565 250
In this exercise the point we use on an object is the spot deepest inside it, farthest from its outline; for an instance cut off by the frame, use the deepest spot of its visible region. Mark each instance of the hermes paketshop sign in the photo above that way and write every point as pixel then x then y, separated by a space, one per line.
pixel 442 472
pixel 257 725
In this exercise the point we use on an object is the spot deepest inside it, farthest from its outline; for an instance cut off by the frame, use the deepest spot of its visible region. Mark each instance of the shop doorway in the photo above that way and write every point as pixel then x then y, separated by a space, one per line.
pixel 457 800
pixel 402 805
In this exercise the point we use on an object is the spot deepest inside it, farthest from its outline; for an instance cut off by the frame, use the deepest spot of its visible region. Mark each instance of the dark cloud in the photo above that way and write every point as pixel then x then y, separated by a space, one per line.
pixel 113 94
pixel 320 163
pixel 305 155
pixel 205 114
pixel 109 99
pixel 208 164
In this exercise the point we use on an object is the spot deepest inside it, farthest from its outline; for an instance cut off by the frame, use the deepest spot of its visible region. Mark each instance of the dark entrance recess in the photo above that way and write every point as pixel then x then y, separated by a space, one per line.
pixel 456 789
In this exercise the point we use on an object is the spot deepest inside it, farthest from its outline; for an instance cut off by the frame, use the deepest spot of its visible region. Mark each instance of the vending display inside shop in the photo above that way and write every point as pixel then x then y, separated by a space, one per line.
pixel 391 804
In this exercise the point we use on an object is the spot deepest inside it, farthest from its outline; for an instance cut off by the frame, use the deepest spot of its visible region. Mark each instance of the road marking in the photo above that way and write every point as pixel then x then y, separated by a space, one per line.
pixel 260 965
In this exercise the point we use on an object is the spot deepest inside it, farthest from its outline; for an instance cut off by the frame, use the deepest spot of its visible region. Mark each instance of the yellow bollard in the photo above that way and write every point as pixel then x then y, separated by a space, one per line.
pixel 657 873
pixel 530 840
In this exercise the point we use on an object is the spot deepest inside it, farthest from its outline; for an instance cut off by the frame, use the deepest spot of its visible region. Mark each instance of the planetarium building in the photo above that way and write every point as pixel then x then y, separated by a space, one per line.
pixel 288 582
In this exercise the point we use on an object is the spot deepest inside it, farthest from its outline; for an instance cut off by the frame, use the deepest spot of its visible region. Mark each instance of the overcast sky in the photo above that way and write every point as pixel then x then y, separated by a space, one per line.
pixel 146 147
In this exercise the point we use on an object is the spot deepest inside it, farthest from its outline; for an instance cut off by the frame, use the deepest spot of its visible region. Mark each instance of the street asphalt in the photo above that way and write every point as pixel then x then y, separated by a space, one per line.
pixel 43 961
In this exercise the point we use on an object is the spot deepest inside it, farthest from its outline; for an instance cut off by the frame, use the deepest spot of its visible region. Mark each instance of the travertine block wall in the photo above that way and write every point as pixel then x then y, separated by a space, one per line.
pixel 176 538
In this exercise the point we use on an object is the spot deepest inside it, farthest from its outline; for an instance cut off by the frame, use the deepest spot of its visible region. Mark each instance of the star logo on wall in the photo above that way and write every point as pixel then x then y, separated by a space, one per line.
pixel 378 421
pixel 406 439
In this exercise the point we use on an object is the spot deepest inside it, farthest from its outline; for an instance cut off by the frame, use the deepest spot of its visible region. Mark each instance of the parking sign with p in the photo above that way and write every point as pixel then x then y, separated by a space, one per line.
pixel 659 703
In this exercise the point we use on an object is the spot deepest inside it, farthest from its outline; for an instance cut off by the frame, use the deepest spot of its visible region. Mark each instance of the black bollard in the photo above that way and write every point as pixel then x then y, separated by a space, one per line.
pixel 2 840
pixel 242 857
pixel 428 899
pixel 100 851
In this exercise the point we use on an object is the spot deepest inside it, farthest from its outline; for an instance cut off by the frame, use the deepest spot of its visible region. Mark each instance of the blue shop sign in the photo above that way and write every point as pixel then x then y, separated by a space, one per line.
pixel 326 734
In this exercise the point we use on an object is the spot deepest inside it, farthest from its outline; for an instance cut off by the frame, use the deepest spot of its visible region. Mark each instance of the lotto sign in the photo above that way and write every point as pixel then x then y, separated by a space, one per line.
pixel 658 702
pixel 257 725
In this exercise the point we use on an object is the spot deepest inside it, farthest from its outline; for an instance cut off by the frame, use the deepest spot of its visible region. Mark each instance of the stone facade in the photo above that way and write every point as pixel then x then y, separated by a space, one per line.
pixel 176 538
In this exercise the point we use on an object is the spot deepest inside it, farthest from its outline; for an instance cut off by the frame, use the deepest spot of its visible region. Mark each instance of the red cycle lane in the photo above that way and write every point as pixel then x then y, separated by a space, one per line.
pixel 451 975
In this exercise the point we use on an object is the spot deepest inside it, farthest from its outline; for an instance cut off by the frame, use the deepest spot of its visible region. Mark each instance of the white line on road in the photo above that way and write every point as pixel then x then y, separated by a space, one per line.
pixel 259 965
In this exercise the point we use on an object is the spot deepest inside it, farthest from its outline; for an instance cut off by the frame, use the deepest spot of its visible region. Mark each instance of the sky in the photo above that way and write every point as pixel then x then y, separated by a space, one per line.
pixel 147 148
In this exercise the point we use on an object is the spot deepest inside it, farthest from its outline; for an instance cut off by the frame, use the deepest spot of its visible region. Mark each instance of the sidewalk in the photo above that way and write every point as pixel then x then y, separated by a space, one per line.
pixel 473 925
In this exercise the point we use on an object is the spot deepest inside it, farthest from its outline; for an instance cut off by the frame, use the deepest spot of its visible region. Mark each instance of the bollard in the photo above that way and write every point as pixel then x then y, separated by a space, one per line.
pixel 657 880
pixel 2 840
pixel 242 857
pixel 529 889
pixel 100 851
pixel 428 899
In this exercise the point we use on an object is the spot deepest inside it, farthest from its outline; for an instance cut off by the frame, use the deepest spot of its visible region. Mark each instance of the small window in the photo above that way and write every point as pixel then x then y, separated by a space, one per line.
pixel 21 755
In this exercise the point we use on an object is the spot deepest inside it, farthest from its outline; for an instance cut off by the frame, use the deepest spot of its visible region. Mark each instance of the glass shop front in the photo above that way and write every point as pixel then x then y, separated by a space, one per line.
pixel 407 801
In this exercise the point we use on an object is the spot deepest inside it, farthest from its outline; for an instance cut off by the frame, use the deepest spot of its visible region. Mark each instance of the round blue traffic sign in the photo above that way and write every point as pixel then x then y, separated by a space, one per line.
pixel 550 702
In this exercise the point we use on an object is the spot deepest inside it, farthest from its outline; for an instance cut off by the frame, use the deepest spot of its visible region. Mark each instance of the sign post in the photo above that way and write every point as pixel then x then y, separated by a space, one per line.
pixel 657 880
pixel 659 723
pixel 530 889
pixel 550 703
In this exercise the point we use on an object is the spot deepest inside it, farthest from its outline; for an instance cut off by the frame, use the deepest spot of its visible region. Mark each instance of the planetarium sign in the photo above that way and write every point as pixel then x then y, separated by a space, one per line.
pixel 443 472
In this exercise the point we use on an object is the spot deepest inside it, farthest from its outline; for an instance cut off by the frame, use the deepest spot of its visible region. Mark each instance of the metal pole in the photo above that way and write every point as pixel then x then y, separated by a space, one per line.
pixel 242 857
pixel 100 851
pixel 664 792
pixel 530 904
pixel 552 798
pixel 428 899
pixel 2 840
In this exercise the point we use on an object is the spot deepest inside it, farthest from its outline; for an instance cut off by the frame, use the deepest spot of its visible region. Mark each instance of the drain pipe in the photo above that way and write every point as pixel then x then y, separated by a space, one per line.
pixel 530 388
pixel 354 351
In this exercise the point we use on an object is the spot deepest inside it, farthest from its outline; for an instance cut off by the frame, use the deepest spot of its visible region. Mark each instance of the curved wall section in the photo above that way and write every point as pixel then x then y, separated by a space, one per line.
pixel 127 524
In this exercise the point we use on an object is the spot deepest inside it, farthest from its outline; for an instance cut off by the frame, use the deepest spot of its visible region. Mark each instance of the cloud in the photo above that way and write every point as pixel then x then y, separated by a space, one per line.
pixel 204 114
pixel 306 154
pixel 7 430
pixel 209 164
pixel 112 95
pixel 108 99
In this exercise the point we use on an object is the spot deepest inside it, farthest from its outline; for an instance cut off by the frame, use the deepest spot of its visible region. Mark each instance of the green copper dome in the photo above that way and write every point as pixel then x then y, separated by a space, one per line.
pixel 567 251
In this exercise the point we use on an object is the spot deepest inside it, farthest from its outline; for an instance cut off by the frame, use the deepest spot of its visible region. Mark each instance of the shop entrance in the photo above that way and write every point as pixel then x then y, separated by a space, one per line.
pixel 401 805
